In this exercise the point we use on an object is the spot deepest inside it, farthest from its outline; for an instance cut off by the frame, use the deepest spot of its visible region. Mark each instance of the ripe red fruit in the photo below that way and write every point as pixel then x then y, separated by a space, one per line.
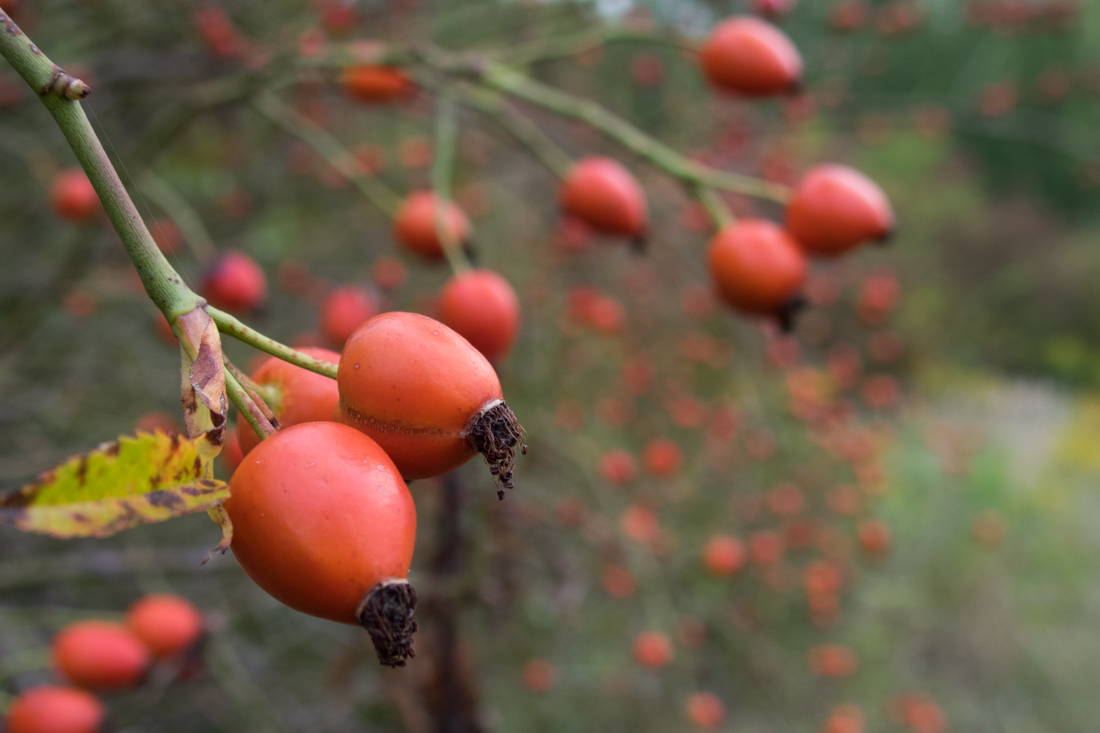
pixel 833 661
pixel 705 710
pixel 757 267
pixel 604 195
pixel 50 709
pixel 168 625
pixel 875 538
pixel 836 208
pixel 415 226
pixel 429 398
pixel 99 655
pixel 617 467
pixel 235 283
pixel 662 458
pixel 376 84
pixel 344 310
pixel 538 675
pixel 323 522
pixel 483 308
pixel 723 555
pixel 750 56
pixel 73 197
pixel 652 649
pixel 297 395
pixel 845 718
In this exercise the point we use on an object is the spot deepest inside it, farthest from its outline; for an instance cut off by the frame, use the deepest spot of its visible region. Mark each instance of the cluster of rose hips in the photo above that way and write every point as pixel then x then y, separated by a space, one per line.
pixel 103 656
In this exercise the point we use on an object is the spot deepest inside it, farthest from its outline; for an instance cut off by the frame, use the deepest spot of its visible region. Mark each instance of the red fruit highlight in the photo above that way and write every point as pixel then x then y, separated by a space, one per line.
pixel 415 226
pixel 705 710
pixel 344 310
pixel 652 649
pixel 375 84
pixel 235 283
pixel 482 307
pixel 723 555
pixel 51 709
pixel 73 197
pixel 168 625
pixel 756 266
pixel 752 57
pixel 99 655
pixel 836 208
pixel 604 195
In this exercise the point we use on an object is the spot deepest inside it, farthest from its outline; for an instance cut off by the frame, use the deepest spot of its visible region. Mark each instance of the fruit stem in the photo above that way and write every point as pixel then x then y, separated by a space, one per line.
pixel 525 131
pixel 248 409
pixel 443 157
pixel 183 215
pixel 715 207
pixel 251 389
pixel 336 155
pixel 229 325
pixel 565 46
pixel 386 612
pixel 518 85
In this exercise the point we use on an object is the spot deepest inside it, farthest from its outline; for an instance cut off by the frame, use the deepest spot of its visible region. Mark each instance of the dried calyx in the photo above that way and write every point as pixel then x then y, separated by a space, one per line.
pixel 386 612
pixel 494 432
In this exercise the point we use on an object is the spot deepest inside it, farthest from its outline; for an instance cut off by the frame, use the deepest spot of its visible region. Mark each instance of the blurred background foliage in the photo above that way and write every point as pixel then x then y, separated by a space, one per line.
pixel 979 119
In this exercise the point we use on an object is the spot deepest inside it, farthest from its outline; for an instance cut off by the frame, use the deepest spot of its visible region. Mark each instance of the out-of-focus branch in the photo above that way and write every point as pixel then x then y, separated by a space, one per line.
pixel 446 132
pixel 313 135
pixel 564 46
pixel 714 205
pixel 182 214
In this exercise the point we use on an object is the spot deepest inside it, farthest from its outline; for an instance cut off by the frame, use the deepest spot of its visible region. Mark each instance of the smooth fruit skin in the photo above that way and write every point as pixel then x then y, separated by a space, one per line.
pixel 99 655
pixel 73 197
pixel 484 309
pixel 412 384
pixel 51 709
pixel 235 283
pixel 344 310
pixel 604 195
pixel 836 208
pixel 756 266
pixel 303 396
pixel 750 56
pixel 414 227
pixel 166 624
pixel 376 84
pixel 320 515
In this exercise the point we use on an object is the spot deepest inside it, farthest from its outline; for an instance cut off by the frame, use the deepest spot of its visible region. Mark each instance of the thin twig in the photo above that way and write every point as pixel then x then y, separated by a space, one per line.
pixel 248 409
pixel 180 211
pixel 715 206
pixel 229 325
pixel 446 131
pixel 335 154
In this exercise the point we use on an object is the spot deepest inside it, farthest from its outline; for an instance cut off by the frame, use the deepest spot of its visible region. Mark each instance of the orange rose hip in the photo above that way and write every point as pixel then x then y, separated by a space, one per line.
pixel 324 523
pixel 429 398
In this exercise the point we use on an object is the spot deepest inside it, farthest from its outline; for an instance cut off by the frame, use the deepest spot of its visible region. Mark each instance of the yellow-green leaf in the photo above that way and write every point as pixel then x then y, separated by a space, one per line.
pixel 141 480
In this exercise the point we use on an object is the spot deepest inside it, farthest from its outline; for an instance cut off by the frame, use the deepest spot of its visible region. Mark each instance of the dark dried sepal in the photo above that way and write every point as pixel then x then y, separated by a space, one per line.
pixel 787 313
pixel 494 432
pixel 386 612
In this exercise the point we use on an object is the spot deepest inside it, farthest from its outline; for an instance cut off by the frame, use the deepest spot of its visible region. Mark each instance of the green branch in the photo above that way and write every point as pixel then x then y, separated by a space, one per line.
pixel 443 157
pixel 565 46
pixel 229 325
pixel 60 93
pixel 715 206
pixel 312 134
pixel 183 215
pixel 626 134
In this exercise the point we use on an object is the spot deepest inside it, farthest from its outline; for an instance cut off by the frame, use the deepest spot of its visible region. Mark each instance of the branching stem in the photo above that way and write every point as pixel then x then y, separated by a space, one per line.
pixel 229 325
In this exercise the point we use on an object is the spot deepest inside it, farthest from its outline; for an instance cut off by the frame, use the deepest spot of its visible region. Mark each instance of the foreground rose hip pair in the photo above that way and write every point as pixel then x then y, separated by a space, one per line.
pixel 322 517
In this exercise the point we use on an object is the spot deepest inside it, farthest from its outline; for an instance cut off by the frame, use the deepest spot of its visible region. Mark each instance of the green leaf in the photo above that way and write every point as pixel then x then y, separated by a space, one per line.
pixel 141 480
